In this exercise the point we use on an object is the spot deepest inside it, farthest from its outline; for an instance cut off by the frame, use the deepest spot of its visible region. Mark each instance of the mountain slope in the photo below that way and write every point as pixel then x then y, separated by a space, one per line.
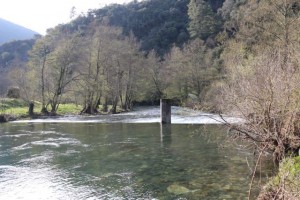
pixel 10 32
pixel 157 24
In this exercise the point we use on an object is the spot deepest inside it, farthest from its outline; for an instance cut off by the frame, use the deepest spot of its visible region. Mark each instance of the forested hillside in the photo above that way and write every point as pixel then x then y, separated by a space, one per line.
pixel 16 51
pixel 13 55
pixel 156 24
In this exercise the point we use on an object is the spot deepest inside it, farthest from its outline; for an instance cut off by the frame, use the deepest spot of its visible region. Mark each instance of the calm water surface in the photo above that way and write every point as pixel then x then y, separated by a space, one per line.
pixel 120 161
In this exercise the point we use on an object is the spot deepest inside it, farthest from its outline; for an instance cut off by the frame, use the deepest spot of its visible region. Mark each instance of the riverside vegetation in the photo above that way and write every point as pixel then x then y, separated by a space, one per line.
pixel 238 57
pixel 13 109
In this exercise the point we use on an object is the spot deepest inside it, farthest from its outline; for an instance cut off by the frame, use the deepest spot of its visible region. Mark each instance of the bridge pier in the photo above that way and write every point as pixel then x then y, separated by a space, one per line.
pixel 165 111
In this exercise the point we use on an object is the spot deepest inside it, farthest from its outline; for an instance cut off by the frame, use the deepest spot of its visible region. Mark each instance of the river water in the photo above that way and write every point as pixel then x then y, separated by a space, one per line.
pixel 127 159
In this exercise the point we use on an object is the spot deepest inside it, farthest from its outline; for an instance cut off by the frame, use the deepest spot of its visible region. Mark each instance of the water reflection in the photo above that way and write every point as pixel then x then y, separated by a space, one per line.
pixel 166 134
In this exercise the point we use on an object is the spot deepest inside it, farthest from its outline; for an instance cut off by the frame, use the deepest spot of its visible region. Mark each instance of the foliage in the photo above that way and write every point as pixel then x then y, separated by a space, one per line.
pixel 15 51
pixel 204 23
pixel 267 97
pixel 269 24
pixel 267 93
pixel 97 66
pixel 15 107
pixel 156 77
pixel 110 70
pixel 13 92
pixel 285 185
pixel 231 13
pixel 52 62
pixel 19 107
pixel 192 71
pixel 157 24
pixel 13 55
pixel 7 103
pixel 69 108
pixel 261 59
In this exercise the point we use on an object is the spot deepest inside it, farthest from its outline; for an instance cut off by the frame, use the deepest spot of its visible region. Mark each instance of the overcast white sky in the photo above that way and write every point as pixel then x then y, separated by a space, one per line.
pixel 39 15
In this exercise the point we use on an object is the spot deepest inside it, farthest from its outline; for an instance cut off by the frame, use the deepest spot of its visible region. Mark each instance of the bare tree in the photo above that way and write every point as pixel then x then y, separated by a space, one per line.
pixel 156 72
pixel 267 97
pixel 192 70
pixel 27 84
pixel 61 71
pixel 92 70
pixel 110 68
pixel 39 61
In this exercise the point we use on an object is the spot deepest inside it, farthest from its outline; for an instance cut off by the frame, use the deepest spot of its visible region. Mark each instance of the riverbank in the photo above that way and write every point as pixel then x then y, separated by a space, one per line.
pixel 285 184
pixel 17 109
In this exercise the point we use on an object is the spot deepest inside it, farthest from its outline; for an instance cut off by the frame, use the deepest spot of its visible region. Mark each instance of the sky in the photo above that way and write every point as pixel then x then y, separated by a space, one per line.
pixel 39 15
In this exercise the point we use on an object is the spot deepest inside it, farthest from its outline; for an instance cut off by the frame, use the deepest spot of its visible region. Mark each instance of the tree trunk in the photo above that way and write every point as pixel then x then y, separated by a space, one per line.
pixel 44 110
pixel 53 107
pixel 105 106
pixel 113 110
pixel 98 103
pixel 87 110
pixel 128 104
pixel 31 109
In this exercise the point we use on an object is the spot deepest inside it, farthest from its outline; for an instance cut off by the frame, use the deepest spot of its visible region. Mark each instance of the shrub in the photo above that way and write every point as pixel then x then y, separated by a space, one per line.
pixel 13 92
pixel 286 184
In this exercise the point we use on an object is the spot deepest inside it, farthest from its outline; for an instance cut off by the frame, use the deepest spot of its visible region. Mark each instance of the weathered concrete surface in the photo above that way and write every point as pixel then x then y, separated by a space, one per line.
pixel 165 111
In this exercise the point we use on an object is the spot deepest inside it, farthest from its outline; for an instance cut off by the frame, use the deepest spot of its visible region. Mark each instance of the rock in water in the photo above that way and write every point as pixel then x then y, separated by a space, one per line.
pixel 177 189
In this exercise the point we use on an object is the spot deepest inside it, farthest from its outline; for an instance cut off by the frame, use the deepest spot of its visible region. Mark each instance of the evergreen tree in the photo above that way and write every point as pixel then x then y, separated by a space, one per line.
pixel 204 23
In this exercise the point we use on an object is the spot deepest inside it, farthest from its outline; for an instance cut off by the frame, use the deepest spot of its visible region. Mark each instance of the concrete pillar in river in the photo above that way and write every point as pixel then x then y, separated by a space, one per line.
pixel 165 111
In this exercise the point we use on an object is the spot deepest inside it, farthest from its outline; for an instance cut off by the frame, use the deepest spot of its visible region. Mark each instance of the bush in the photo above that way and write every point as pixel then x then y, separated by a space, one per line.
pixel 286 185
pixel 13 92
pixel 265 93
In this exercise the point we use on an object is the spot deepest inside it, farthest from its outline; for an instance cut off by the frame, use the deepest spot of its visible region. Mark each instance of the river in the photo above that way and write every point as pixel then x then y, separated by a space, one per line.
pixel 125 156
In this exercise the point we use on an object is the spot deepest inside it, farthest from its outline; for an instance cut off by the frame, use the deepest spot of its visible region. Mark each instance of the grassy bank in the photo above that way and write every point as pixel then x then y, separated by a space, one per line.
pixel 19 108
pixel 286 184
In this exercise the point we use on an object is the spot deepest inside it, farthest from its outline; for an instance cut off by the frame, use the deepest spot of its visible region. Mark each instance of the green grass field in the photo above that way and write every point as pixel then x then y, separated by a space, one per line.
pixel 18 107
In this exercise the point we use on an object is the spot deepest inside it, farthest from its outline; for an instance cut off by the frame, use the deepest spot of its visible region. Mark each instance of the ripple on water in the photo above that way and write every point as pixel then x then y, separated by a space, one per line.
pixel 19 134
pixel 48 132
pixel 57 142
pixel 68 141
pixel 46 143
pixel 54 133
pixel 39 183
pixel 22 147
pixel 13 136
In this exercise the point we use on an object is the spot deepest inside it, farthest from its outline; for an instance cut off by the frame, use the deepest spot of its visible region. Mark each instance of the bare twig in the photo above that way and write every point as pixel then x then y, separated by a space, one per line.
pixel 255 168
